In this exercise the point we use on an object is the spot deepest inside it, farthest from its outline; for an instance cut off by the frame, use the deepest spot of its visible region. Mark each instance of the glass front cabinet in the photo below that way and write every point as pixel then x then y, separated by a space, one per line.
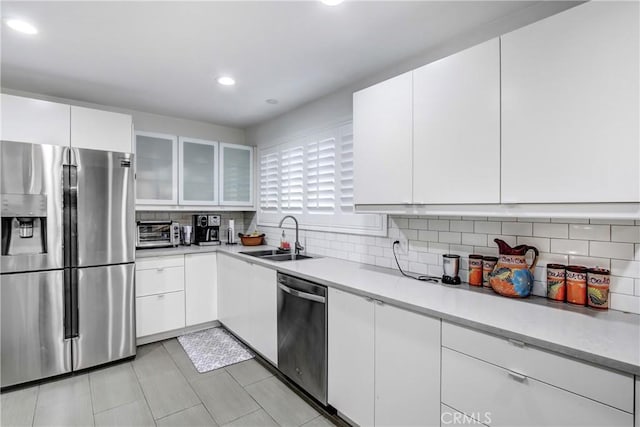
pixel 156 158
pixel 236 178
pixel 192 172
pixel 198 172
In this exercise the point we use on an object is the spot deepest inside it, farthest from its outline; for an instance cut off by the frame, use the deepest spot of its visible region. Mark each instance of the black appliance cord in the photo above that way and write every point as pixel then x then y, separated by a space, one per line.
pixel 432 279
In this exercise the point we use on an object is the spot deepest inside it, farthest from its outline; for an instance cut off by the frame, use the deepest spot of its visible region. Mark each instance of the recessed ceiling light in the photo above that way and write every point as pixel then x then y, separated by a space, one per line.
pixel 332 2
pixel 271 101
pixel 226 81
pixel 21 26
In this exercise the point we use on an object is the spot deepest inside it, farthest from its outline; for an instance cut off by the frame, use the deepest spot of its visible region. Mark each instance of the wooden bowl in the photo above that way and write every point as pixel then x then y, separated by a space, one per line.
pixel 251 240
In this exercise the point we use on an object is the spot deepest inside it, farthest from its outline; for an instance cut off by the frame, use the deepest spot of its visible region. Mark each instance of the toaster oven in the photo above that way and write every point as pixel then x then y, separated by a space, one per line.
pixel 157 234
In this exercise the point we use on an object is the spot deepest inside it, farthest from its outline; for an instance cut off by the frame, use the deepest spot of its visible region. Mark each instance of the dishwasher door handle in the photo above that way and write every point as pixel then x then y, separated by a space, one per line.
pixel 304 295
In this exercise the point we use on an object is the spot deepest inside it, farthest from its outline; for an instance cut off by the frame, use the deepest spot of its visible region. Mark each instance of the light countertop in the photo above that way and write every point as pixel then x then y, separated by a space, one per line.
pixel 608 338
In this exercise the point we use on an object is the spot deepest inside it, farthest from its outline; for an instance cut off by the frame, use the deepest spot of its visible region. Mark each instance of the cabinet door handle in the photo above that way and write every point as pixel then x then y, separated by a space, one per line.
pixel 516 343
pixel 160 295
pixel 160 269
pixel 516 376
pixel 379 302
pixel 368 299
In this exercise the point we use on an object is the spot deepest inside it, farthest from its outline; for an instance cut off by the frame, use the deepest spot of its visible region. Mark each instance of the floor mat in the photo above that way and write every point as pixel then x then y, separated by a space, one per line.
pixel 213 349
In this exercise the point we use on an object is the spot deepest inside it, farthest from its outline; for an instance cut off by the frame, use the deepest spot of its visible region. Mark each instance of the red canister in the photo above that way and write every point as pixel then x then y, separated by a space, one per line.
pixel 577 284
pixel 556 282
pixel 598 288
pixel 475 270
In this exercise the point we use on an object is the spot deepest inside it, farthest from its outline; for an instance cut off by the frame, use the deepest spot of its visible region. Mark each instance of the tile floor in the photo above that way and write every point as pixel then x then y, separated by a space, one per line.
pixel 161 387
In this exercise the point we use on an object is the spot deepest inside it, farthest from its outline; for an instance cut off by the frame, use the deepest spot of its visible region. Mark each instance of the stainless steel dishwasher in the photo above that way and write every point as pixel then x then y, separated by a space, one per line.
pixel 302 334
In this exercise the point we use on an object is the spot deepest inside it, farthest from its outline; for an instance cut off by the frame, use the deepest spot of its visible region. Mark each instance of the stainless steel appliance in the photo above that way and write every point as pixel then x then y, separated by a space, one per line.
pixel 157 234
pixel 206 229
pixel 302 334
pixel 67 264
pixel 451 268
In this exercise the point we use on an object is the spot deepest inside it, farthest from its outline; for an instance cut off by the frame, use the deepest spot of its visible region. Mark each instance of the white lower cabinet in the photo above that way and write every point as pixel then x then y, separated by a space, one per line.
pixel 384 362
pixel 201 288
pixel 247 303
pixel 263 312
pixel 159 313
pixel 511 399
pixel 160 304
pixel 351 350
pixel 504 382
pixel 637 424
pixel 450 416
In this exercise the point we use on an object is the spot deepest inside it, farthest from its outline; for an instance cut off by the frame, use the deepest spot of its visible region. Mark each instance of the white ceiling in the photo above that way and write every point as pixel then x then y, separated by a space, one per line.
pixel 163 57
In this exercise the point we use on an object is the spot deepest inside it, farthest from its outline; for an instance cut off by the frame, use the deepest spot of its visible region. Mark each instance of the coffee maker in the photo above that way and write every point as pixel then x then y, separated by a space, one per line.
pixel 206 229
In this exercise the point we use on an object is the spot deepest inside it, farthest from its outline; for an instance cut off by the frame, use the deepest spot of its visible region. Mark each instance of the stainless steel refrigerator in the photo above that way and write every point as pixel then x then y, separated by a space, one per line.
pixel 67 264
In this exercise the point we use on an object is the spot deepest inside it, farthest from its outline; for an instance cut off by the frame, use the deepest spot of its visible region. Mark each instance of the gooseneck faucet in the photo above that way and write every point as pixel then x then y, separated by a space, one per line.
pixel 297 245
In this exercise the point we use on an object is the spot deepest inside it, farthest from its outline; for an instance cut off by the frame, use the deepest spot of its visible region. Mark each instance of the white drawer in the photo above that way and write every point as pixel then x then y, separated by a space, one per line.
pixel 610 387
pixel 453 417
pixel 473 386
pixel 159 262
pixel 159 281
pixel 159 313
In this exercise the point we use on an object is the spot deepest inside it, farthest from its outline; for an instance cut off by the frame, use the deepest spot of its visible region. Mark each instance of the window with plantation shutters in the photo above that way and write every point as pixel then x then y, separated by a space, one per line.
pixel 311 177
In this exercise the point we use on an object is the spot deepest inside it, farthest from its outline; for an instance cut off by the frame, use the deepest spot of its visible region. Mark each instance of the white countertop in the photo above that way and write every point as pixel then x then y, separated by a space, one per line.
pixel 607 338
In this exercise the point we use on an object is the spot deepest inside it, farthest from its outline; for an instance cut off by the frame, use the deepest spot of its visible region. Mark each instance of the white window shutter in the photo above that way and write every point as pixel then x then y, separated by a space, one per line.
pixel 269 186
pixel 321 176
pixel 291 179
pixel 346 169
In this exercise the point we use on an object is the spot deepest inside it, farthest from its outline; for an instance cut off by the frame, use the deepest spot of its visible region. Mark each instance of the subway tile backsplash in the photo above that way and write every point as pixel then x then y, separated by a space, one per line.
pixel 613 244
pixel 185 218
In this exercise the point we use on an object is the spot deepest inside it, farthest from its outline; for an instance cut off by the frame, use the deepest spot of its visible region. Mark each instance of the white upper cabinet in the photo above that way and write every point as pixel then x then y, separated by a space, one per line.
pixel 456 128
pixel 198 169
pixel 236 175
pixel 35 121
pixel 101 130
pixel 570 115
pixel 382 135
pixel 156 160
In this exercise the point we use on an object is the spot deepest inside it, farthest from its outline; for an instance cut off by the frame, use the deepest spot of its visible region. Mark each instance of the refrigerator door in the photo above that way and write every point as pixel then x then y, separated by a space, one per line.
pixel 31 198
pixel 106 318
pixel 33 344
pixel 105 215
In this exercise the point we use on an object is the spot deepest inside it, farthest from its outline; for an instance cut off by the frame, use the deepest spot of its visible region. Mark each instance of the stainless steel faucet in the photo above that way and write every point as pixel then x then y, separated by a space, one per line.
pixel 297 245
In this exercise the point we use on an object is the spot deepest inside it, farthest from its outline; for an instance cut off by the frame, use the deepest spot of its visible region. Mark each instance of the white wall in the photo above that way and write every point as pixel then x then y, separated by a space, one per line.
pixel 338 106
pixel 154 122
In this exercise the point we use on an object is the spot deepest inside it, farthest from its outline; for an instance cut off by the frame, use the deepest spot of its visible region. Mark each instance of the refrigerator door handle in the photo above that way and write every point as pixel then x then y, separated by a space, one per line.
pixel 70 303
pixel 70 244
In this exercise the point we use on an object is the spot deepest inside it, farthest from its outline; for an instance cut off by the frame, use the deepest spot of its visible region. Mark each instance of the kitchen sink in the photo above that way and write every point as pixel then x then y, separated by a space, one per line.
pixel 276 255
pixel 261 254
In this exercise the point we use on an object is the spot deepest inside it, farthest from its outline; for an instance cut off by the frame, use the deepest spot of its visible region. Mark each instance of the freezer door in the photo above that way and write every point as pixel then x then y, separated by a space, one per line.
pixel 105 215
pixel 33 344
pixel 31 178
pixel 106 316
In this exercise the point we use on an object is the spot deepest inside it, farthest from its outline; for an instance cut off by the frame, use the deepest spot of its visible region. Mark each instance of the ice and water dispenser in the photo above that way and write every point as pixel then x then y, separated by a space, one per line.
pixel 24 224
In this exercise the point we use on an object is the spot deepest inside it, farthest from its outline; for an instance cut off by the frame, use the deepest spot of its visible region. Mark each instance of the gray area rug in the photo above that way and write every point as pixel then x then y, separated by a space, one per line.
pixel 213 349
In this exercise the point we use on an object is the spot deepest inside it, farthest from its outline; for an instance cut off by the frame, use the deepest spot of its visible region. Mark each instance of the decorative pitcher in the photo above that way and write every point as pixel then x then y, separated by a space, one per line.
pixel 512 277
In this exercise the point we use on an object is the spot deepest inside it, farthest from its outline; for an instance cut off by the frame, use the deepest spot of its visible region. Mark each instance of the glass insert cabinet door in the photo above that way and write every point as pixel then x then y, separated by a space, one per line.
pixel 156 158
pixel 236 179
pixel 198 171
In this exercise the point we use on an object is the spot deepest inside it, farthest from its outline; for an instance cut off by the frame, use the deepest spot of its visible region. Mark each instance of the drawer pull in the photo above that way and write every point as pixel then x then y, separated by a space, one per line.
pixel 516 376
pixel 368 299
pixel 161 296
pixel 379 302
pixel 160 269
pixel 516 343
